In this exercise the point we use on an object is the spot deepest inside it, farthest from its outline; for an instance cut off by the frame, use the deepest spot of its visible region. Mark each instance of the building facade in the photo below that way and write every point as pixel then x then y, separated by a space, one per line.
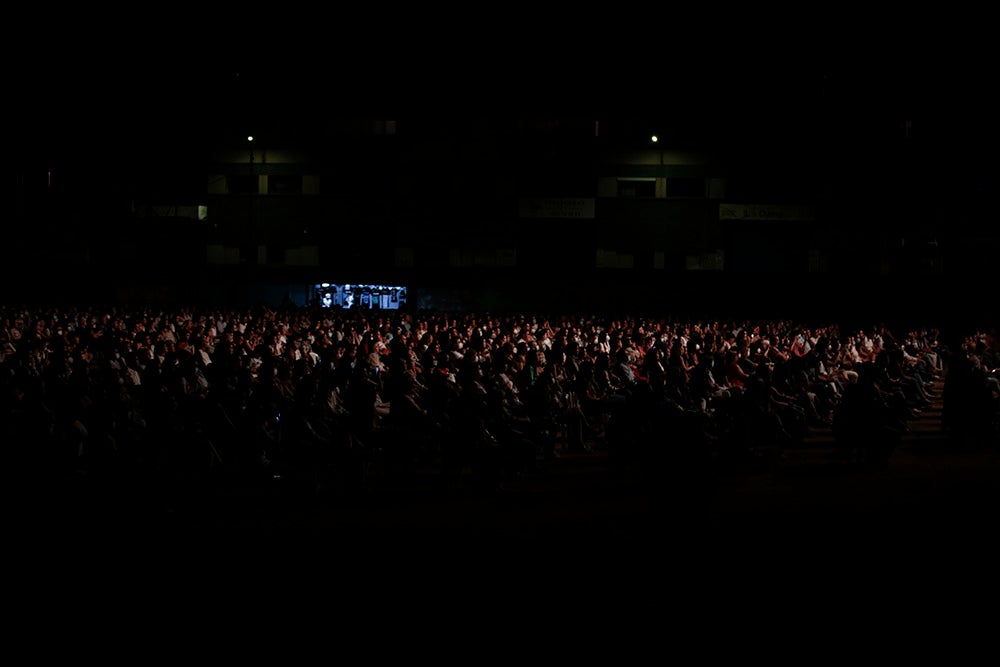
pixel 497 212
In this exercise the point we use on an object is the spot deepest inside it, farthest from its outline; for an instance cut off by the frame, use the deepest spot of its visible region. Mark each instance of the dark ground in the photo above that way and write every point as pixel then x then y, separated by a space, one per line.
pixel 578 533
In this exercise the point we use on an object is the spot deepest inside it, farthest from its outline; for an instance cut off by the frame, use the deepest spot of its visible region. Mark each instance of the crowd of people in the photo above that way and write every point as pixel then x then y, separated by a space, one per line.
pixel 330 398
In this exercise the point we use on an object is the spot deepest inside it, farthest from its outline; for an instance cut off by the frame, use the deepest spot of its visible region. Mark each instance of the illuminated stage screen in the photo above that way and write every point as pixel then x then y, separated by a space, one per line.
pixel 365 297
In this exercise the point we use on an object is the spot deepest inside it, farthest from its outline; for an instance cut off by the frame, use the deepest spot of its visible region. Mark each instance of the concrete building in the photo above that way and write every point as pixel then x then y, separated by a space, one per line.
pixel 525 210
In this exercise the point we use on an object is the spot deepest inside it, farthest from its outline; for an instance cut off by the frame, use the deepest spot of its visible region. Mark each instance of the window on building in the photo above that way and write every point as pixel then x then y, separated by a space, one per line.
pixel 636 187
pixel 242 184
pixel 384 127
pixel 685 186
pixel 284 184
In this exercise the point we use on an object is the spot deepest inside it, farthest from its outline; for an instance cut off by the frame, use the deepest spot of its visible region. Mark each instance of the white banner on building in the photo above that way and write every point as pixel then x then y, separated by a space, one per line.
pixel 765 212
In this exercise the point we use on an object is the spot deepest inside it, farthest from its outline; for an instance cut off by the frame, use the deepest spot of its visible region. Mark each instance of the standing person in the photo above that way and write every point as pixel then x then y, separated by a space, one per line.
pixel 865 426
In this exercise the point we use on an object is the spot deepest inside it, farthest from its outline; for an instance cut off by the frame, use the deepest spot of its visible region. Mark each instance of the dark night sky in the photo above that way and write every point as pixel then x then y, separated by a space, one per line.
pixel 171 79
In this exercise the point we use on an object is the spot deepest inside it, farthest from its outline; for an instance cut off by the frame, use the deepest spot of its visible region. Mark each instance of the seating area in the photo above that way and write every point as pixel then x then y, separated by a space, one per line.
pixel 334 401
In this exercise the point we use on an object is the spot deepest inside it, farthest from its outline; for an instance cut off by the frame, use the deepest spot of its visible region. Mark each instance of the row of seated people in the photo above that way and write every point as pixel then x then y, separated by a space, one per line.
pixel 971 392
pixel 327 397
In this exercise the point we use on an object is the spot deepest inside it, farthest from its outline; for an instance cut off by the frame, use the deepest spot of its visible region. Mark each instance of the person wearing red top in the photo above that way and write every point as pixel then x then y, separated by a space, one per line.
pixel 735 376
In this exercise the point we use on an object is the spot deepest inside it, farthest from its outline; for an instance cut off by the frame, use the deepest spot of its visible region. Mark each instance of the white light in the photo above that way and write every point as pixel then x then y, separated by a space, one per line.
pixel 655 138
pixel 250 138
